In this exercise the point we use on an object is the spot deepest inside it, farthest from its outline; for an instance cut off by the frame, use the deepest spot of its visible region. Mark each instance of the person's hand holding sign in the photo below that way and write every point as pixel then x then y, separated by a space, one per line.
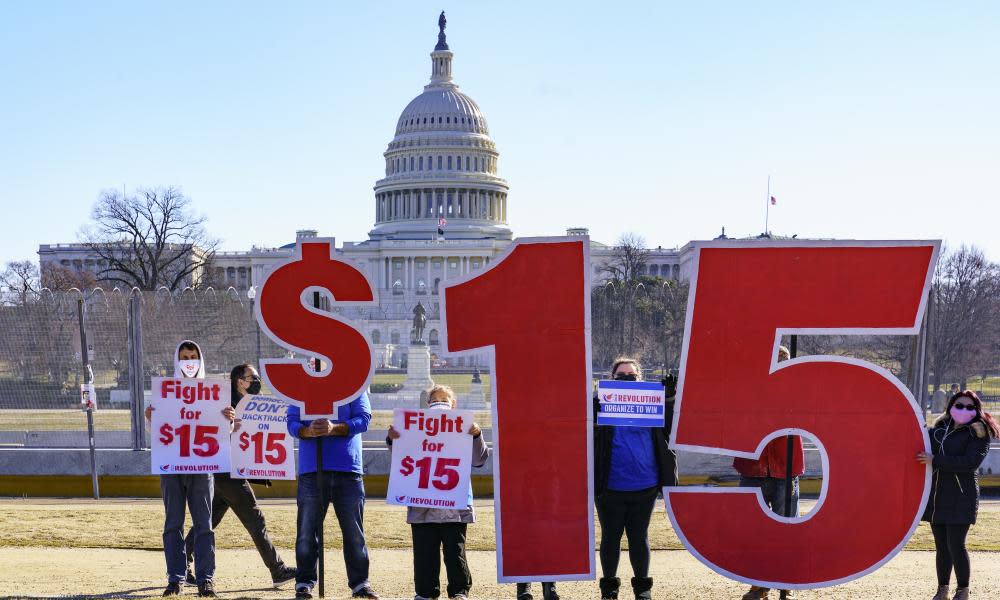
pixel 324 427
pixel 925 458
pixel 475 431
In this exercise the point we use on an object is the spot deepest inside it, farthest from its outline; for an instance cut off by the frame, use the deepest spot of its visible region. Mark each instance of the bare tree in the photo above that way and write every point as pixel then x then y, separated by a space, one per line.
pixel 56 277
pixel 19 282
pixel 629 259
pixel 965 296
pixel 149 239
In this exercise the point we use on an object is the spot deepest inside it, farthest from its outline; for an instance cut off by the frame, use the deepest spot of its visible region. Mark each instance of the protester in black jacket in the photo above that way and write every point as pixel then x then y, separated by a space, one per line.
pixel 236 494
pixel 646 463
pixel 960 440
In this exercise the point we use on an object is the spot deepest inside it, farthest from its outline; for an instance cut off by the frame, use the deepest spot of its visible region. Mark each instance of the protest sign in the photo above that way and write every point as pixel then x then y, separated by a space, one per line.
pixel 189 432
pixel 432 458
pixel 531 309
pixel 261 447
pixel 734 397
pixel 630 403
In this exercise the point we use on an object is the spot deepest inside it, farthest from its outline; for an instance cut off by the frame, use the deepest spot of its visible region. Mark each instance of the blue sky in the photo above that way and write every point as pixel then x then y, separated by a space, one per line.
pixel 875 120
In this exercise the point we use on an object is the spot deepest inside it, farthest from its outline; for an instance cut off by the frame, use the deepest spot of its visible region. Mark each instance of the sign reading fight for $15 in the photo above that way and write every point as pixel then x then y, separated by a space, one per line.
pixel 432 459
pixel 189 432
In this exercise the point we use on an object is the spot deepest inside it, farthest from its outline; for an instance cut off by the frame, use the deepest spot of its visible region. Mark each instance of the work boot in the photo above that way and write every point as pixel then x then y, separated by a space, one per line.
pixel 524 592
pixel 609 587
pixel 961 594
pixel 642 588
pixel 942 593
pixel 756 593
pixel 173 589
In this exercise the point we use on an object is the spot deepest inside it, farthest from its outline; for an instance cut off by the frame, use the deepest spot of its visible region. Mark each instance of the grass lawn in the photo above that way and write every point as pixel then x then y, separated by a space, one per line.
pixel 138 524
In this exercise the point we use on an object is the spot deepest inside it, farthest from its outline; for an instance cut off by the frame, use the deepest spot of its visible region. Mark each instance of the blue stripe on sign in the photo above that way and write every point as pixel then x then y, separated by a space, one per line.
pixel 627 407
pixel 632 421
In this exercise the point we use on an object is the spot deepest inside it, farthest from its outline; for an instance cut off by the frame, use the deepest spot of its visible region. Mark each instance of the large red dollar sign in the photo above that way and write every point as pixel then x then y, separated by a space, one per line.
pixel 287 319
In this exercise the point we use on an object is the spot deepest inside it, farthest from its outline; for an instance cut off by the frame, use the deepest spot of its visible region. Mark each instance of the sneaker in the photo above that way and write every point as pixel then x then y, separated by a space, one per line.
pixel 756 593
pixel 283 576
pixel 190 578
pixel 207 590
pixel 303 592
pixel 458 597
pixel 787 595
pixel 365 592
pixel 173 589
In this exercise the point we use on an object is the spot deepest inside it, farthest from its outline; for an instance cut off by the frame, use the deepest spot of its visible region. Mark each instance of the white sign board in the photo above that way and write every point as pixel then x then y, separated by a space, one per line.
pixel 189 432
pixel 432 459
pixel 261 445
pixel 88 396
pixel 631 403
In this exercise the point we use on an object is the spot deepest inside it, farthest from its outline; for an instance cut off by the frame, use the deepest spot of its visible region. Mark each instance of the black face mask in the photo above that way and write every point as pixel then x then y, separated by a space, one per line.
pixel 254 388
pixel 625 377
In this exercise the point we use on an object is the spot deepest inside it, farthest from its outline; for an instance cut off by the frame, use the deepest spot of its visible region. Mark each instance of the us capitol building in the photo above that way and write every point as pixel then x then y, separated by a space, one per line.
pixel 441 171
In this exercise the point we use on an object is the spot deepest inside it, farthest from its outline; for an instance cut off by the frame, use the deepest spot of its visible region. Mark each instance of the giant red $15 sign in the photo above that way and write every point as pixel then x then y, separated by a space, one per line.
pixel 286 315
pixel 734 397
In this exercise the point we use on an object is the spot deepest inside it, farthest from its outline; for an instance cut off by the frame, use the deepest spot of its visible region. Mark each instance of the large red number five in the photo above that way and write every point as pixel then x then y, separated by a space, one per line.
pixel 735 397
pixel 532 308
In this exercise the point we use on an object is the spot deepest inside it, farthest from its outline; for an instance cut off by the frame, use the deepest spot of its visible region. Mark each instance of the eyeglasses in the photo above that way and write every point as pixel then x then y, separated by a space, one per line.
pixel 964 406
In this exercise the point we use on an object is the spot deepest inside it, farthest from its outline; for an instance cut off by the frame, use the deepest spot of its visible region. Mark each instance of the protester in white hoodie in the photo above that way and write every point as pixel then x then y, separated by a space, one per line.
pixel 194 490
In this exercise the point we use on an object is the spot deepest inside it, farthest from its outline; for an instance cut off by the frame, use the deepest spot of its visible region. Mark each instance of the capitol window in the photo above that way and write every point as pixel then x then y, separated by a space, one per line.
pixel 449 163
pixel 376 337
pixel 421 164
pixel 439 163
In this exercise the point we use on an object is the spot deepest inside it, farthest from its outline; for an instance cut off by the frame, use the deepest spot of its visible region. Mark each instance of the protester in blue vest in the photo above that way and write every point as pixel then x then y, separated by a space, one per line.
pixel 438 531
pixel 631 465
pixel 344 487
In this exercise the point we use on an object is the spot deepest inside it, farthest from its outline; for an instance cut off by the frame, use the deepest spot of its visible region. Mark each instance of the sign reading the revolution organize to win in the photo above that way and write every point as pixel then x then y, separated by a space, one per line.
pixel 432 459
pixel 190 434
pixel 630 403
pixel 261 446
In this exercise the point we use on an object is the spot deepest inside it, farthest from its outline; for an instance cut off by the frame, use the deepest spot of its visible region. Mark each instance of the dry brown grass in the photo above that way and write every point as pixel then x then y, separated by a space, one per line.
pixel 137 524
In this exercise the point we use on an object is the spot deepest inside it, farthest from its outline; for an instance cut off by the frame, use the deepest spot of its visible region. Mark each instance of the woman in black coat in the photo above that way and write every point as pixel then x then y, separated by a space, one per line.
pixel 960 440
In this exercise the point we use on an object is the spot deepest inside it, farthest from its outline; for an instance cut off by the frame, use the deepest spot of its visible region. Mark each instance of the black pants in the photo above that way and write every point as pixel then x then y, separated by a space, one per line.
pixel 237 495
pixel 429 540
pixel 949 541
pixel 627 512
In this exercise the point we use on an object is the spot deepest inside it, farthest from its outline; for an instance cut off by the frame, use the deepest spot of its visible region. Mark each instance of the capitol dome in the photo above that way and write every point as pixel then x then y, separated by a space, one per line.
pixel 441 166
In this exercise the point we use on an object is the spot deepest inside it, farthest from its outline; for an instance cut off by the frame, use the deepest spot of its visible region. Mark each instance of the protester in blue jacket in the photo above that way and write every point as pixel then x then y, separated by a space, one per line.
pixel 340 440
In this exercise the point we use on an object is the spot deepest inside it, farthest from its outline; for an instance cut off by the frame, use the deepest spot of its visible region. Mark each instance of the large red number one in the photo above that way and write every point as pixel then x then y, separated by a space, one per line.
pixel 734 397
pixel 532 308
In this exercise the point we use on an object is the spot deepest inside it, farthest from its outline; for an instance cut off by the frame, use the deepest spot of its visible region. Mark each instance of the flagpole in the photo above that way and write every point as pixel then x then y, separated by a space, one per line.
pixel 767 205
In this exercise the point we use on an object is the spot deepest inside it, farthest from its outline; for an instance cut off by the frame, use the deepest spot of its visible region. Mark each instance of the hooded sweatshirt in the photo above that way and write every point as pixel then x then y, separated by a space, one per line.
pixel 178 372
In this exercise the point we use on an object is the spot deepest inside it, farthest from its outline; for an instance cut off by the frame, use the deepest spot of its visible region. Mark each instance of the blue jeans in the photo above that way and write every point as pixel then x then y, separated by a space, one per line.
pixel 196 491
pixel 773 490
pixel 347 493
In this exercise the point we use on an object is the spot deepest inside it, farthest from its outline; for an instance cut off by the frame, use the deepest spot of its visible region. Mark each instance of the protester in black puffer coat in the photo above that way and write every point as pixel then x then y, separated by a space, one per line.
pixel 960 440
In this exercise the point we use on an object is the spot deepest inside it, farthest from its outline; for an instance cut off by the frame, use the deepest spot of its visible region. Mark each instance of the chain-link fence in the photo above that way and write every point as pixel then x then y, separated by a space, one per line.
pixel 131 337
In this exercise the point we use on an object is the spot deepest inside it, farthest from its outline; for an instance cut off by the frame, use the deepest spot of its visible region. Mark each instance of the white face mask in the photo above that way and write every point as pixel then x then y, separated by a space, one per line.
pixel 190 368
pixel 439 406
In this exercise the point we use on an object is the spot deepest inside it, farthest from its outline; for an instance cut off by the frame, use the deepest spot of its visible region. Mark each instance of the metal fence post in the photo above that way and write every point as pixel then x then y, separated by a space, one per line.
pixel 135 375
pixel 88 379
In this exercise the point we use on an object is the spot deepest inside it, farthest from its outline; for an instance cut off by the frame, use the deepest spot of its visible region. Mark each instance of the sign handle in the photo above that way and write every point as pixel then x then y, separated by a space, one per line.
pixel 320 483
